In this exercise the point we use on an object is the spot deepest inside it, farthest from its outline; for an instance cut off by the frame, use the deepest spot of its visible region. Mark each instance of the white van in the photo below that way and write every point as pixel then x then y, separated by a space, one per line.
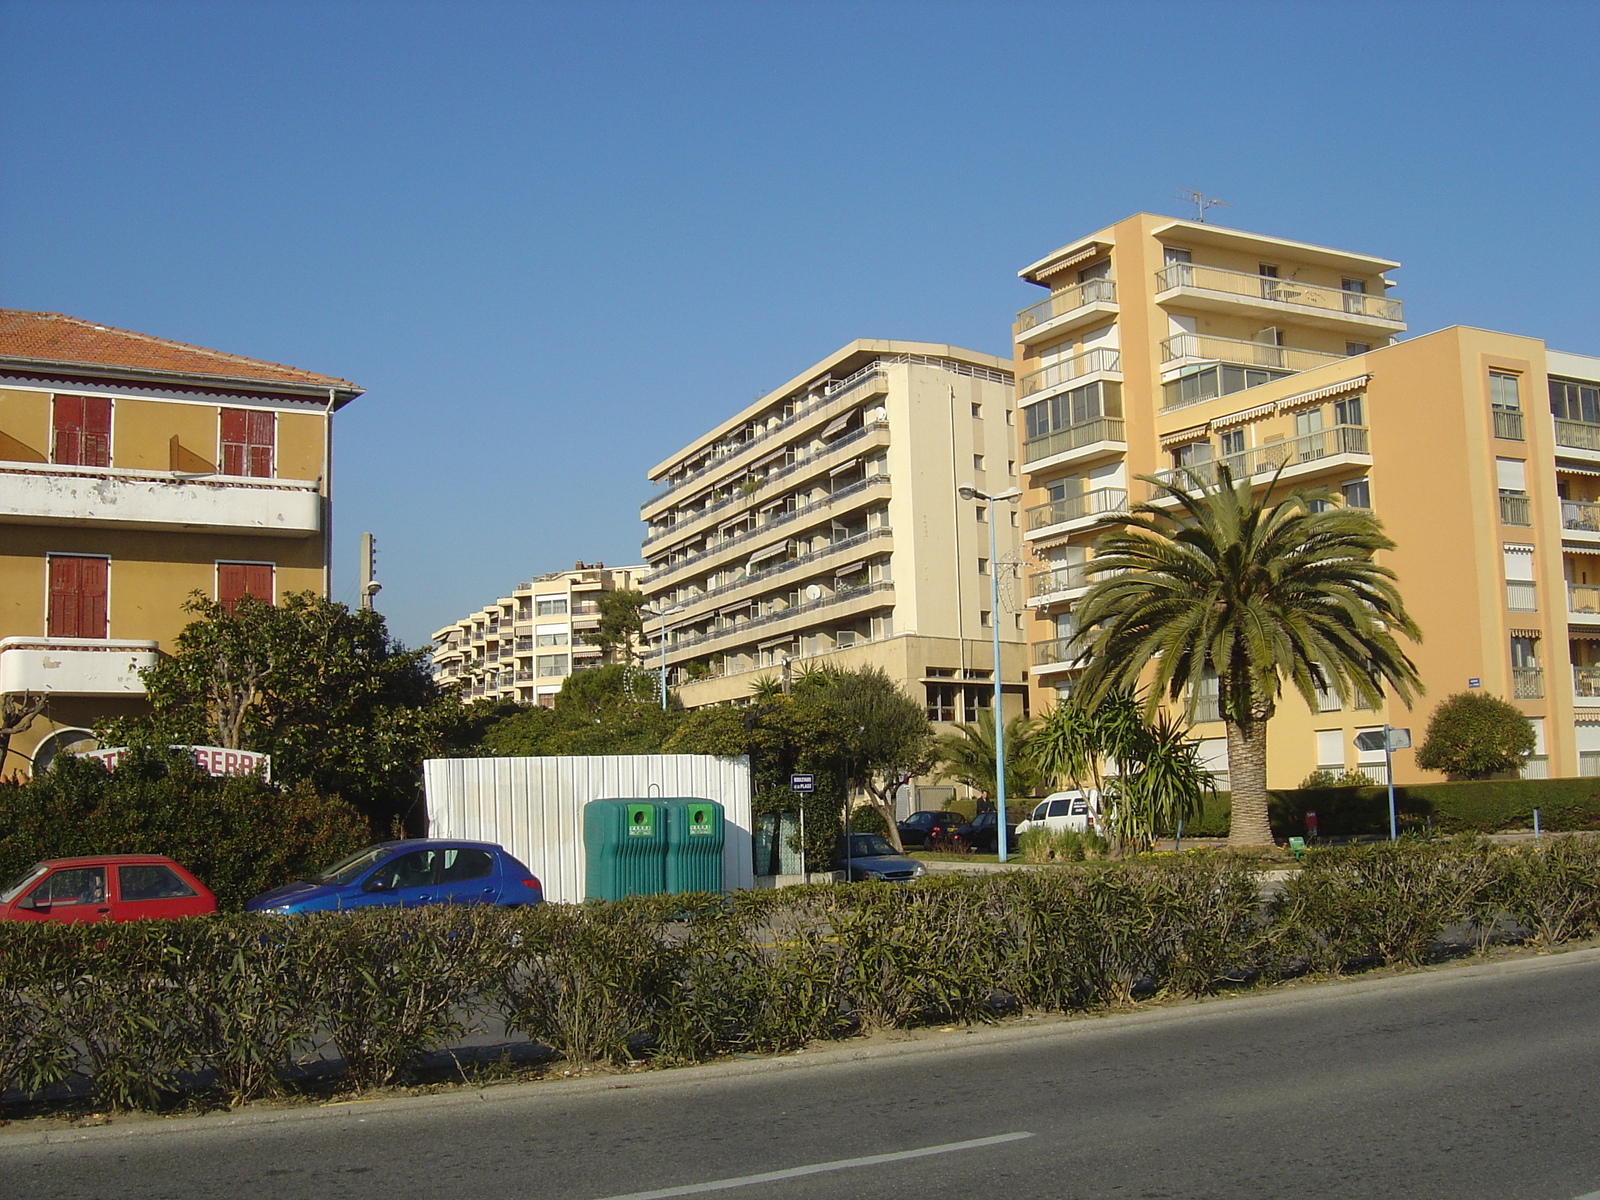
pixel 1060 811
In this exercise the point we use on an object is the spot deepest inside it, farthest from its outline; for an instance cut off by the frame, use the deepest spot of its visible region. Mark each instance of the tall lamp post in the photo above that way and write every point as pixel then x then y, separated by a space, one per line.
pixel 967 492
pixel 662 616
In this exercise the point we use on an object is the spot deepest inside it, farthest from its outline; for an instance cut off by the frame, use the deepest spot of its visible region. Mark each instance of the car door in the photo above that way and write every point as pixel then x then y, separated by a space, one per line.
pixel 69 894
pixel 406 880
pixel 151 891
pixel 467 875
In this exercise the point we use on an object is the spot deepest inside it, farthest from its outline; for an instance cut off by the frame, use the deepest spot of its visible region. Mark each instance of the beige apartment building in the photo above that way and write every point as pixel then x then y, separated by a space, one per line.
pixel 525 645
pixel 133 472
pixel 823 524
pixel 1171 343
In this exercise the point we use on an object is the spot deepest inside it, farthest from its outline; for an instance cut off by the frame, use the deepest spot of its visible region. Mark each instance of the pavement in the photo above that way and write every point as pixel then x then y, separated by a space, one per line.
pixel 1467 1082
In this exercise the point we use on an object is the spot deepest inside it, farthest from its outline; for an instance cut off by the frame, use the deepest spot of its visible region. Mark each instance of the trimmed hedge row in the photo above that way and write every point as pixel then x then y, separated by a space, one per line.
pixel 146 1011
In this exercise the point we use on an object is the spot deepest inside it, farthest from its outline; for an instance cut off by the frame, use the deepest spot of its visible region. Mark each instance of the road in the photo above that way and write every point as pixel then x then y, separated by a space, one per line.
pixel 1467 1083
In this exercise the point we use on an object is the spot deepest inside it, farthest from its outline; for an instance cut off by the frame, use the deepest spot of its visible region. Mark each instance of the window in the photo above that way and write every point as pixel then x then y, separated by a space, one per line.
pixel 248 440
pixel 1355 494
pixel 1521 595
pixel 1203 383
pixel 1269 280
pixel 1351 349
pixel 981 512
pixel 983 566
pixel 81 431
pixel 412 870
pixel 1100 270
pixel 1231 442
pixel 1103 398
pixel 150 881
pixel 75 885
pixel 243 579
pixel 551 639
pixel 461 864
pixel 1357 286
pixel 1347 411
pixel 941 701
pixel 1172 254
pixel 1319 506
pixel 1191 454
pixel 977 410
pixel 977 462
pixel 78 591
pixel 1503 391
pixel 550 666
pixel 985 618
pixel 551 607
pixel 975 702
pixel 1575 401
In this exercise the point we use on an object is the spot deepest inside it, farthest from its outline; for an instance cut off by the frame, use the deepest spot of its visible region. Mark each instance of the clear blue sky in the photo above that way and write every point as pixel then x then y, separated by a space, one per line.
pixel 557 241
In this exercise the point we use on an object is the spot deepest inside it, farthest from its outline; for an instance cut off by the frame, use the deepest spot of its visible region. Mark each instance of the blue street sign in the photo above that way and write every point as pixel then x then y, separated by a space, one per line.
pixel 804 783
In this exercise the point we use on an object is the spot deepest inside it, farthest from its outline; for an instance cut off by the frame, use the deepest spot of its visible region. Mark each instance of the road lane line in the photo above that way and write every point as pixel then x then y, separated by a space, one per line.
pixel 843 1164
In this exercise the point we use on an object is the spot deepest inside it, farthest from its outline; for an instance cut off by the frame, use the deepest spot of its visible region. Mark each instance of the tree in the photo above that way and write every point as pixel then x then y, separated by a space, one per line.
pixel 1255 591
pixel 887 741
pixel 607 710
pixel 621 624
pixel 968 756
pixel 1161 784
pixel 1473 735
pixel 338 704
pixel 1072 742
pixel 17 713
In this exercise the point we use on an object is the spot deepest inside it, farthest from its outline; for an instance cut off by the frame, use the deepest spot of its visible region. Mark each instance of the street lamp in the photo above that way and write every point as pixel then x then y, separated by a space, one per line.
pixel 967 492
pixel 662 616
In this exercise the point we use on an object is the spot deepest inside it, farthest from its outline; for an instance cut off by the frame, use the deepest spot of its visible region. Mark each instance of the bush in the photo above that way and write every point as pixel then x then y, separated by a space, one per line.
pixel 1334 779
pixel 1474 735
pixel 1067 845
pixel 240 836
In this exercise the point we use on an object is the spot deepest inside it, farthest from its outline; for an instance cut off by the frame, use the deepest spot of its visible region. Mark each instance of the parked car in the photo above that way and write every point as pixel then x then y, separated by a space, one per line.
pixel 982 833
pixel 1060 811
pixel 870 856
pixel 407 873
pixel 107 887
pixel 921 827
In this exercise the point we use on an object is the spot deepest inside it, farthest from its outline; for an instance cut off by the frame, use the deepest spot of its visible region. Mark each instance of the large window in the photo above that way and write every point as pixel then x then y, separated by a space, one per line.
pixel 81 431
pixel 79 586
pixel 249 438
pixel 236 579
pixel 1575 401
pixel 1103 398
pixel 551 606
pixel 1202 383
pixel 551 666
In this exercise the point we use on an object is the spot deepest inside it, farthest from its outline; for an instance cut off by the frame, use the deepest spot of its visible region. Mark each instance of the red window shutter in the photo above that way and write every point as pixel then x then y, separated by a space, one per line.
pixel 96 431
pixel 247 442
pixel 66 417
pixel 241 579
pixel 78 590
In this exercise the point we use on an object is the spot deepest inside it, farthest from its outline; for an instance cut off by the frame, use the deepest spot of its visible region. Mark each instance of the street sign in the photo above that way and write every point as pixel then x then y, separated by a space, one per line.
pixel 1372 739
pixel 1471 683
pixel 804 783
pixel 1399 739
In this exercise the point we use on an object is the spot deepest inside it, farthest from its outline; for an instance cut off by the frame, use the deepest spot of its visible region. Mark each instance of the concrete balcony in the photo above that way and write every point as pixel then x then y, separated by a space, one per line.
pixel 1072 513
pixel 1075 444
pixel 1580 523
pixel 1065 311
pixel 1058 584
pixel 74 666
pixel 1215 289
pixel 113 498
pixel 1186 349
pixel 1101 362
pixel 1339 447
pixel 1056 656
pixel 1578 440
pixel 1583 604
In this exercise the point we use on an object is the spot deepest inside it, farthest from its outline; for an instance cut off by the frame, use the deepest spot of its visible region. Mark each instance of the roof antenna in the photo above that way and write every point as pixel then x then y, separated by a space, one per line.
pixel 1201 202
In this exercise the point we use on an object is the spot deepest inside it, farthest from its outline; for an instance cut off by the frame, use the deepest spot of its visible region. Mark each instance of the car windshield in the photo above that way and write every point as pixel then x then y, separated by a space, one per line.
pixel 345 870
pixel 20 884
pixel 868 845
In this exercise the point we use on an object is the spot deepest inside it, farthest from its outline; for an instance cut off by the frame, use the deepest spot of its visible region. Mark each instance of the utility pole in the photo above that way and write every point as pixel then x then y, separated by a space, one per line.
pixel 370 586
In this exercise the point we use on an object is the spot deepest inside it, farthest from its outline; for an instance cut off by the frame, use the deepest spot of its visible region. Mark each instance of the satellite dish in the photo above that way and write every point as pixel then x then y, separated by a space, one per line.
pixel 814 592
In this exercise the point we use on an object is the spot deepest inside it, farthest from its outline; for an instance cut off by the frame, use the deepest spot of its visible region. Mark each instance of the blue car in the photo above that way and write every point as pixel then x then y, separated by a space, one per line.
pixel 408 873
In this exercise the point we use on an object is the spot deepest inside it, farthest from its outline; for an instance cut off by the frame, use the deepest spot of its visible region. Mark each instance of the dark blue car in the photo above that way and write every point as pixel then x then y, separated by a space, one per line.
pixel 418 871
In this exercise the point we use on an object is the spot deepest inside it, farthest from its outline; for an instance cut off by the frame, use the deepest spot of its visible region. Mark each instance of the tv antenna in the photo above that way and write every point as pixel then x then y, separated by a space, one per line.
pixel 1201 202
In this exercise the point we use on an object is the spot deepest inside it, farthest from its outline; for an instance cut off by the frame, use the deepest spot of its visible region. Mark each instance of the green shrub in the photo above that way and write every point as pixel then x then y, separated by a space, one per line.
pixel 866 819
pixel 1066 845
pixel 1335 779
pixel 1474 735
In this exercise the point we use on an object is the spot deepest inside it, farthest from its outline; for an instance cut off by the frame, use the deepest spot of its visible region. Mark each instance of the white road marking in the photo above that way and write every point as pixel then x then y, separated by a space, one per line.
pixel 1590 1196
pixel 843 1164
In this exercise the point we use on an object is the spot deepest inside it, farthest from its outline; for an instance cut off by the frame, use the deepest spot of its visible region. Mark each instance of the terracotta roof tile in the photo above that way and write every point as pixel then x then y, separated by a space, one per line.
pixel 52 337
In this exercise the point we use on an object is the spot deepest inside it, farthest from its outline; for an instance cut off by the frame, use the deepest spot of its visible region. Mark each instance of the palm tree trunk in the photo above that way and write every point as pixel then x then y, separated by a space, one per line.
pixel 1247 774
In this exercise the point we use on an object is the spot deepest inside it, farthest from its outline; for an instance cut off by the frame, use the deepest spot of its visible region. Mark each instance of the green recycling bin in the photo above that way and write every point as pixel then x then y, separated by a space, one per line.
pixel 625 848
pixel 694 845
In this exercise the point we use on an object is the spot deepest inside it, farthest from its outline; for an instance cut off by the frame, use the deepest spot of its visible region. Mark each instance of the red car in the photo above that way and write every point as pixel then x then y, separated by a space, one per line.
pixel 106 887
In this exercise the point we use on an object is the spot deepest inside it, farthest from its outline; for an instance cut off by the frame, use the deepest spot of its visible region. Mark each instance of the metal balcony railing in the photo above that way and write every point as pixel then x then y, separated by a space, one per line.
pixel 842 596
pixel 1264 460
pixel 1056 651
pixel 1243 352
pixel 1516 508
pixel 1527 683
pixel 788 564
pixel 1059 304
pixel 1102 502
pixel 1521 595
pixel 1580 515
pixel 1586 682
pixel 1279 291
pixel 1065 370
pixel 1583 598
pixel 1508 425
pixel 1073 437
pixel 1578 435
pixel 1058 579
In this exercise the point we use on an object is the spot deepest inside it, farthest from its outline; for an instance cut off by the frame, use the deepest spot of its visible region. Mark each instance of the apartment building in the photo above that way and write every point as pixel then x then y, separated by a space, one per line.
pixel 1169 343
pixel 525 645
pixel 823 524
pixel 134 471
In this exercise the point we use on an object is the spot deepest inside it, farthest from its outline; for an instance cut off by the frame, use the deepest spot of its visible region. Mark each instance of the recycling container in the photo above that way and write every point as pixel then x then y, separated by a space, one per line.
pixel 625 848
pixel 694 845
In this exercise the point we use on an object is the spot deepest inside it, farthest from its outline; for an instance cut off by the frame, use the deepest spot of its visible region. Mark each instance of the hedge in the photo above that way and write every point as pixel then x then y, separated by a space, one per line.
pixel 143 1013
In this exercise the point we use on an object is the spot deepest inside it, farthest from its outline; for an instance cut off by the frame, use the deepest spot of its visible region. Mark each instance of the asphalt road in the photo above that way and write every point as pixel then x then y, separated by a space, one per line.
pixel 1468 1083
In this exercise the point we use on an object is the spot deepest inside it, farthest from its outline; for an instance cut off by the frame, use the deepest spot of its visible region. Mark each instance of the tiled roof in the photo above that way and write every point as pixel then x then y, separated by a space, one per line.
pixel 54 338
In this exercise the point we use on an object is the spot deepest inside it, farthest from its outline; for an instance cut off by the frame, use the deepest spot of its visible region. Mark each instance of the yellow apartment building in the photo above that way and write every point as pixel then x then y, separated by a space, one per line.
pixel 134 471
pixel 523 646
pixel 823 524
pixel 1170 343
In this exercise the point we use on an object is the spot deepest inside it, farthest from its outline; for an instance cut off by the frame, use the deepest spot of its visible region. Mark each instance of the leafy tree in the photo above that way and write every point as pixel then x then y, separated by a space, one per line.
pixel 1256 591
pixel 607 710
pixel 621 624
pixel 1162 783
pixel 1473 735
pixel 886 739
pixel 341 707
pixel 1073 741
pixel 968 756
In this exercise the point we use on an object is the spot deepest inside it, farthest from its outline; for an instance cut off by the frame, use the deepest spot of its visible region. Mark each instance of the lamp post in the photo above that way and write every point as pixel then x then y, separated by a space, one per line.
pixel 967 492
pixel 662 616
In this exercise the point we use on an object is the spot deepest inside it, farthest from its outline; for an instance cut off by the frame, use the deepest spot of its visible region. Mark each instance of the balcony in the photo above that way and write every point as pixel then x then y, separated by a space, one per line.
pixel 1215 289
pixel 739 630
pixel 113 498
pixel 1074 512
pixel 1337 446
pixel 74 666
pixel 1508 425
pixel 1065 370
pixel 1066 310
pixel 1058 583
pixel 1586 685
pixel 1055 655
pixel 1516 508
pixel 1075 443
pixel 1578 435
pixel 813 558
pixel 1527 683
pixel 1580 522
pixel 1243 352
pixel 1583 603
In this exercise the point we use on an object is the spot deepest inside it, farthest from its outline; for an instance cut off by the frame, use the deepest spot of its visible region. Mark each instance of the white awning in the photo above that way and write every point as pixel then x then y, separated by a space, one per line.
pixel 1244 416
pixel 851 568
pixel 1323 393
pixel 767 552
pixel 1192 434
pixel 1566 470
pixel 835 427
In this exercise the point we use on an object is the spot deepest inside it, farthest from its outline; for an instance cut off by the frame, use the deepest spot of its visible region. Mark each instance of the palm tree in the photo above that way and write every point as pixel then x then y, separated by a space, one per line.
pixel 1072 742
pixel 1162 783
pixel 1255 591
pixel 968 757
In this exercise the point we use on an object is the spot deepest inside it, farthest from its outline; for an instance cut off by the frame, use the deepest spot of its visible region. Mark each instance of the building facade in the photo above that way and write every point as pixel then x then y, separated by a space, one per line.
pixel 1168 343
pixel 134 471
pixel 525 645
pixel 823 524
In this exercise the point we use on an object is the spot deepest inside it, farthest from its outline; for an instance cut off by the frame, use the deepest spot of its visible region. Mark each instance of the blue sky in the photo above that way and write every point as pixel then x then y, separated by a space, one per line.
pixel 557 241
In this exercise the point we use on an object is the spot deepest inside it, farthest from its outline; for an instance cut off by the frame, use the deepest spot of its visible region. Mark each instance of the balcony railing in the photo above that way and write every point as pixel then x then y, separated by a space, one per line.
pixel 1583 598
pixel 1056 651
pixel 789 564
pixel 1098 503
pixel 842 596
pixel 1065 370
pixel 1586 682
pixel 1579 435
pixel 1521 595
pixel 1527 683
pixel 1580 515
pixel 1073 437
pixel 1508 425
pixel 1059 304
pixel 1279 291
pixel 1058 579
pixel 1516 508
pixel 1246 353
pixel 1377 773
pixel 1264 460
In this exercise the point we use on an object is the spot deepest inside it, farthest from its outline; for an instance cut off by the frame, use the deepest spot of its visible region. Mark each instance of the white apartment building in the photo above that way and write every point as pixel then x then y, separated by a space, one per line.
pixel 523 646
pixel 823 523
